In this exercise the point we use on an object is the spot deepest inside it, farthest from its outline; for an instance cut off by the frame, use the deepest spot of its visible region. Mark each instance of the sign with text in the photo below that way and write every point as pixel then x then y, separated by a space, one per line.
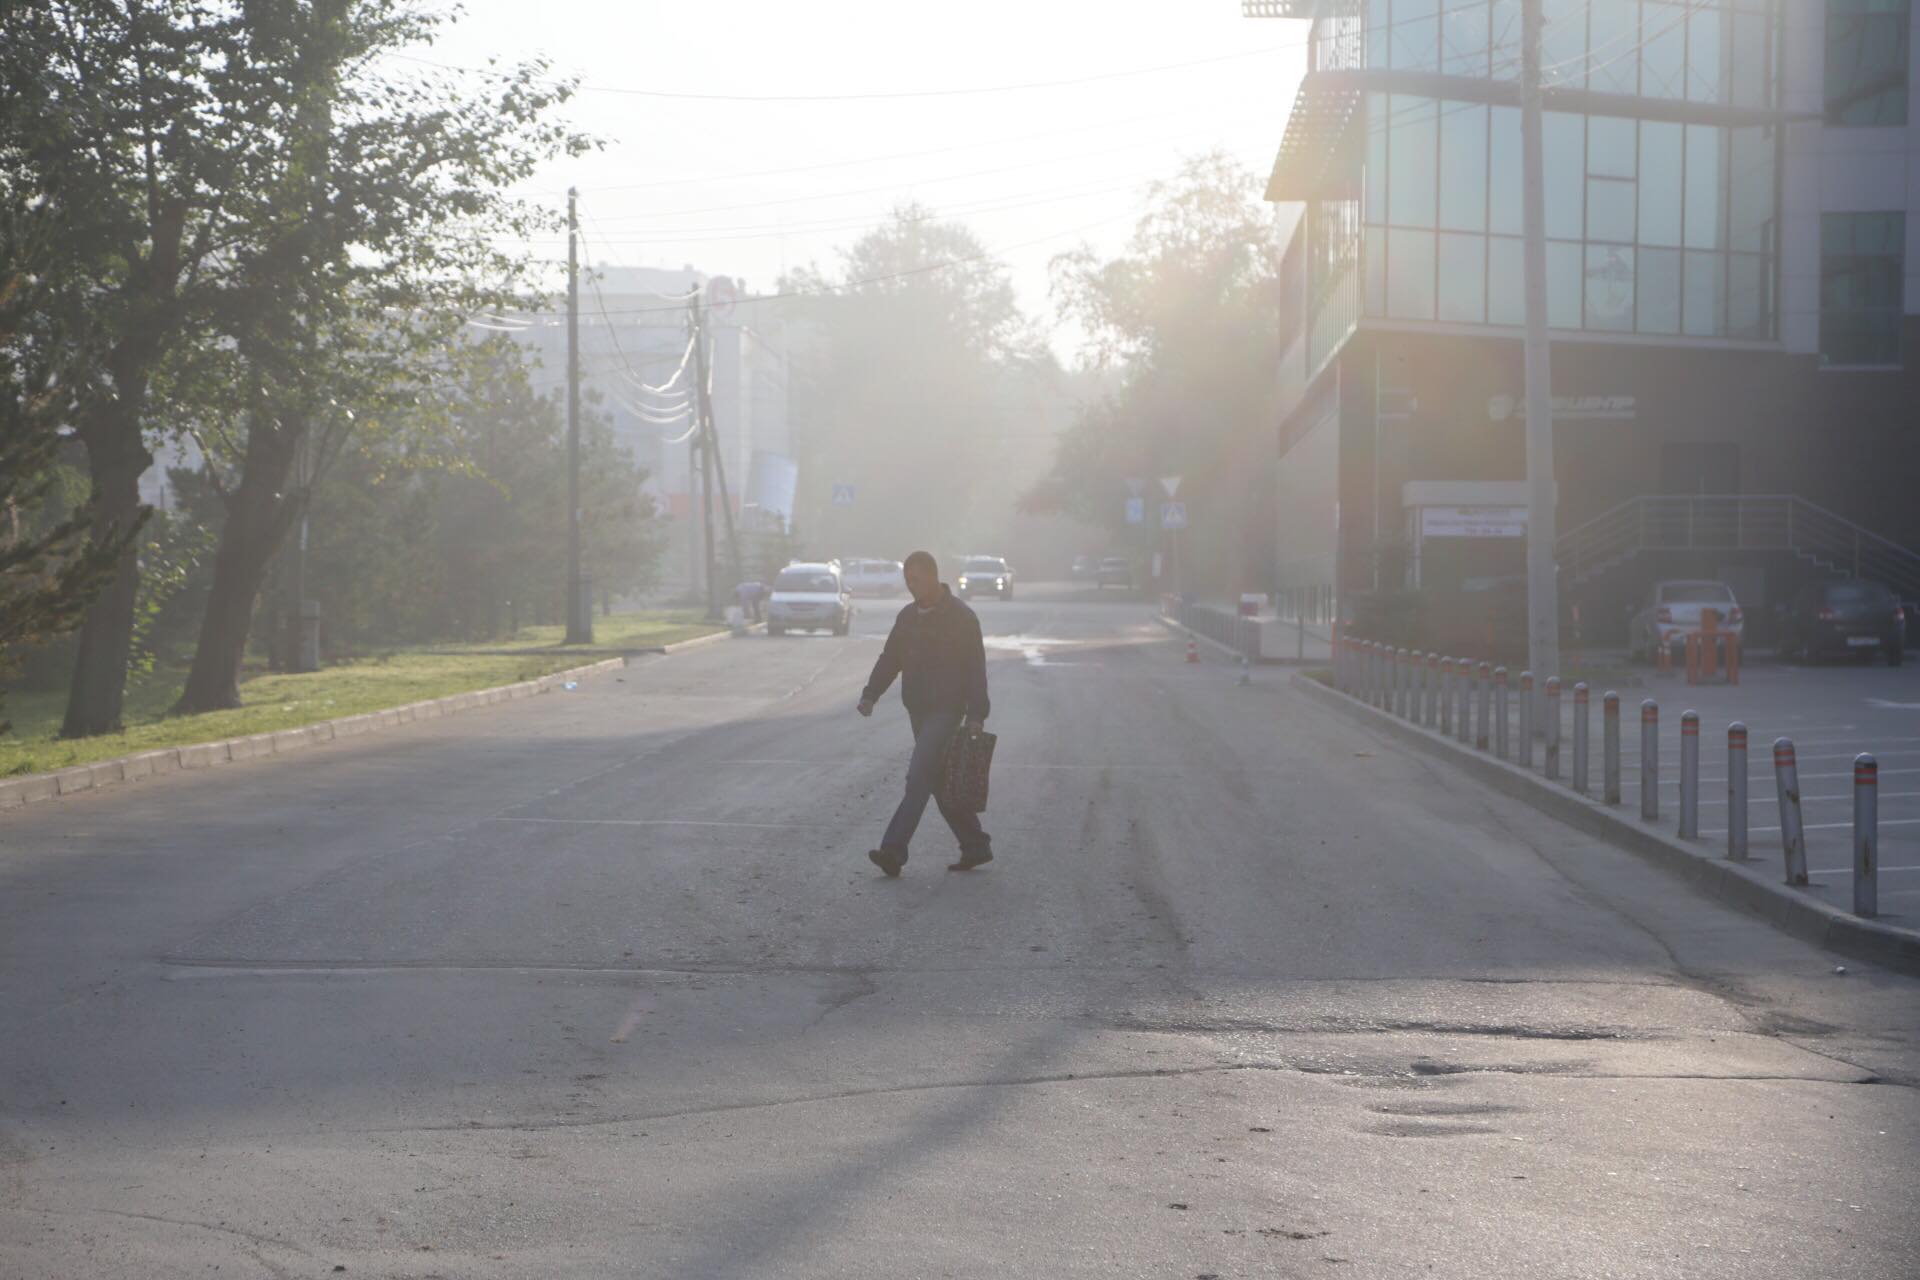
pixel 1473 522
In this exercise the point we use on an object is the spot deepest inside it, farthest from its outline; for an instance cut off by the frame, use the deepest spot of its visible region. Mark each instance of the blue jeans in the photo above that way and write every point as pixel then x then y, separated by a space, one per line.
pixel 931 734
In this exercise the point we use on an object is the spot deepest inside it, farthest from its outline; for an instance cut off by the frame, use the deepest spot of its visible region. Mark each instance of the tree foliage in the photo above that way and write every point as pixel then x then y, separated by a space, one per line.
pixel 1186 318
pixel 263 221
pixel 916 378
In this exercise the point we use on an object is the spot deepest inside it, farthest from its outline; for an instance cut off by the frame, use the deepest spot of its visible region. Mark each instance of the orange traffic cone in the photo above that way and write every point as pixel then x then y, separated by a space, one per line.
pixel 1193 652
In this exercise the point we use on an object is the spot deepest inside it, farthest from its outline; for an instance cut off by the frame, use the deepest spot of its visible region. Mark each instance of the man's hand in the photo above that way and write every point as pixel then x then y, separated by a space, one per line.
pixel 865 708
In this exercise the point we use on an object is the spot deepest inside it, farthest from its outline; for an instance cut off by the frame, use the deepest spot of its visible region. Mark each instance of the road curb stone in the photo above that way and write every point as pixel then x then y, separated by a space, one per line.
pixel 1741 884
pixel 36 788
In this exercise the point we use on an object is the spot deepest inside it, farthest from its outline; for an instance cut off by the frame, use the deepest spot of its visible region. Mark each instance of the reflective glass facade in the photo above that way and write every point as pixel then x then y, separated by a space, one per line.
pixel 1862 260
pixel 1654 226
pixel 1866 80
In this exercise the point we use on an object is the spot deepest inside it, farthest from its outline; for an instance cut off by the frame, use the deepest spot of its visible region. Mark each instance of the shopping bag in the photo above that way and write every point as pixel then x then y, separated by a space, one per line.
pixel 969 757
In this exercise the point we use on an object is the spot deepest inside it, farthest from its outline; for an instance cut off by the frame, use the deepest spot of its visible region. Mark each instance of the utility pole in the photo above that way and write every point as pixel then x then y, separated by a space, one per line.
pixel 706 454
pixel 579 607
pixel 705 402
pixel 1543 597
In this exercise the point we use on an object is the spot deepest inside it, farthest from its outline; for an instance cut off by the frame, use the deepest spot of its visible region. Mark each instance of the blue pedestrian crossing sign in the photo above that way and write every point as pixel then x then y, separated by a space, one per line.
pixel 1173 515
pixel 1136 510
pixel 843 495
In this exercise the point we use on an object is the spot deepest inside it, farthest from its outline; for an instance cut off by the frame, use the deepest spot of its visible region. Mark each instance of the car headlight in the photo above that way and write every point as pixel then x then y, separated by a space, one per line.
pixel 999 582
pixel 963 580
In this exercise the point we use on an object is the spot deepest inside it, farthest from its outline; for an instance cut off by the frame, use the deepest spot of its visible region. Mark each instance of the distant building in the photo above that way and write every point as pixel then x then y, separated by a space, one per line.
pixel 1733 222
pixel 633 330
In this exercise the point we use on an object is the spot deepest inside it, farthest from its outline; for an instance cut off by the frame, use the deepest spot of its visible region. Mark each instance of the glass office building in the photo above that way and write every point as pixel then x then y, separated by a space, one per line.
pixel 1662 158
pixel 1732 255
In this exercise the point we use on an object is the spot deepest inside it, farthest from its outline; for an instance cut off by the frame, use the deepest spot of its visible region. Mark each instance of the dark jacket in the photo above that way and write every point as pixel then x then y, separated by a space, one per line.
pixel 942 657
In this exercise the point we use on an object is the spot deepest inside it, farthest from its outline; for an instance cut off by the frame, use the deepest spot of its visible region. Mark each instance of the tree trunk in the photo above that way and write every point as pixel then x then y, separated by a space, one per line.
pixel 258 517
pixel 116 459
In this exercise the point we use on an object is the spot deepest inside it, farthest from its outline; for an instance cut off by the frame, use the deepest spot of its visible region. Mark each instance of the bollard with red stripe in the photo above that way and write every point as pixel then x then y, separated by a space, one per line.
pixel 1610 747
pixel 1526 719
pixel 1500 712
pixel 1446 695
pixel 1689 775
pixel 1650 760
pixel 1866 835
pixel 1462 701
pixel 1553 728
pixel 1737 791
pixel 1429 709
pixel 1580 694
pixel 1484 682
pixel 1793 835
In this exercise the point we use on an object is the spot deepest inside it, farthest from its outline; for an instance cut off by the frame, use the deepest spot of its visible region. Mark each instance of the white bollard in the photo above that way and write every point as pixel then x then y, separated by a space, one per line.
pixel 1500 713
pixel 1403 683
pixel 1526 719
pixel 1446 696
pixel 1689 775
pixel 1483 682
pixel 1793 835
pixel 1866 835
pixel 1610 747
pixel 1430 707
pixel 1580 771
pixel 1650 760
pixel 1418 711
pixel 1553 728
pixel 1737 791
pixel 1462 701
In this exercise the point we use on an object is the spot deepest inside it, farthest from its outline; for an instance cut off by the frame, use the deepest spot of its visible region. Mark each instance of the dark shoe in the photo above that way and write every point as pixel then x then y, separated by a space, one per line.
pixel 968 861
pixel 888 860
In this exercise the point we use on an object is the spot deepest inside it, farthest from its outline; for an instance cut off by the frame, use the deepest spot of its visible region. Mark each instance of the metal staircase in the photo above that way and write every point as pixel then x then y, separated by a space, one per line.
pixel 1736 522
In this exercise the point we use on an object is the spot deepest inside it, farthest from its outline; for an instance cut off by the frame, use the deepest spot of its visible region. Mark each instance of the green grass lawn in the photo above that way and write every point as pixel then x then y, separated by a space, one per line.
pixel 277 701
pixel 613 634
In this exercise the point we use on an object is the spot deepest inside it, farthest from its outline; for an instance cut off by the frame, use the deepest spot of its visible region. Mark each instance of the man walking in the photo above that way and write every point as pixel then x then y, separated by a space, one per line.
pixel 935 643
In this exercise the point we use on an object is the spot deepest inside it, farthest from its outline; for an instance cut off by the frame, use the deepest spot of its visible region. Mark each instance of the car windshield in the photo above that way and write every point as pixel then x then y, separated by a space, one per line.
pixel 805 580
pixel 1112 563
pixel 986 566
pixel 1695 593
pixel 1857 593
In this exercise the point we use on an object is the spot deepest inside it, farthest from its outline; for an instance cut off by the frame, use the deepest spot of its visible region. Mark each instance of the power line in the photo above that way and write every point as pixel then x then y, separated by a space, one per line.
pixel 896 95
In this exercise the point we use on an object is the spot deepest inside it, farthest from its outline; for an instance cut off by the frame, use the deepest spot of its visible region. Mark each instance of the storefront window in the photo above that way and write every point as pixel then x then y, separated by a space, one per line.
pixel 1506 281
pixel 1463 278
pixel 1862 258
pixel 1504 211
pixel 1463 37
pixel 1660 169
pixel 1412 154
pixel 1867 53
pixel 1613 36
pixel 1416 35
pixel 1463 162
pixel 1565 155
pixel 1657 291
pixel 1609 288
pixel 1410 266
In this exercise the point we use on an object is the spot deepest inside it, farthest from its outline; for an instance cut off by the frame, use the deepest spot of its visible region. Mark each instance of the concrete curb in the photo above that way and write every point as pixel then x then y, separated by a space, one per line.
pixel 1235 654
pixel 34 788
pixel 1699 864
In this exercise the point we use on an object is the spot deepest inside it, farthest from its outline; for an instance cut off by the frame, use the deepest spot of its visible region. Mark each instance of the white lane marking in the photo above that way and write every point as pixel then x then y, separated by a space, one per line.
pixel 673 822
pixel 997 764
pixel 1884 705
pixel 1756 798
pixel 1831 826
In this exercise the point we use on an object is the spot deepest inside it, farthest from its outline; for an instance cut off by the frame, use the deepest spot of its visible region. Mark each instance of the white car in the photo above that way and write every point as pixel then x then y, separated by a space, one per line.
pixel 810 597
pixel 874 577
pixel 1674 608
pixel 985 575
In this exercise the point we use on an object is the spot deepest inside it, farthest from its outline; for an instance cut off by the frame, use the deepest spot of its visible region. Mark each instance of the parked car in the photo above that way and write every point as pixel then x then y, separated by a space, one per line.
pixel 1844 616
pixel 810 597
pixel 1114 571
pixel 1675 608
pixel 1084 569
pixel 873 577
pixel 986 575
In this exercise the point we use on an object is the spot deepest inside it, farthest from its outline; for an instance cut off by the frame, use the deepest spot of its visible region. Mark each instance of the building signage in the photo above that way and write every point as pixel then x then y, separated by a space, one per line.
pixel 1568 408
pixel 1473 522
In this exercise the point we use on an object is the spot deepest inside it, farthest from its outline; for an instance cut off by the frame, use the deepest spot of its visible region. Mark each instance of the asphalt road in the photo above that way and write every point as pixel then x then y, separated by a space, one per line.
pixel 601 984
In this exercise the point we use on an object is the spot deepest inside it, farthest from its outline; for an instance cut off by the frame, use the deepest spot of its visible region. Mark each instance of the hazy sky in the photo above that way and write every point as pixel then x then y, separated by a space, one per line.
pixel 685 181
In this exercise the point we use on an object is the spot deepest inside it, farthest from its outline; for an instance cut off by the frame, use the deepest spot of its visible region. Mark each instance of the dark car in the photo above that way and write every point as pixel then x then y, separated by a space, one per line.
pixel 1114 571
pixel 1829 619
